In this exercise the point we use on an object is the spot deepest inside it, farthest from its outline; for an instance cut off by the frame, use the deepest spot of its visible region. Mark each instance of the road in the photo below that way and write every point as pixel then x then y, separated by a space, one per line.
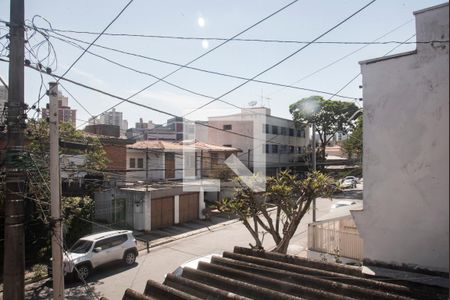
pixel 111 281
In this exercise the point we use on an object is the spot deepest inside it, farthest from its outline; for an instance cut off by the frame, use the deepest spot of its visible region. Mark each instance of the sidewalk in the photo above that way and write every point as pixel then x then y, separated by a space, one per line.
pixel 147 240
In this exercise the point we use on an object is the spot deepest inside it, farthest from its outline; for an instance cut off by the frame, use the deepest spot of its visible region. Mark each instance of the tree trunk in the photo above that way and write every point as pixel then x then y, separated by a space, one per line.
pixel 282 247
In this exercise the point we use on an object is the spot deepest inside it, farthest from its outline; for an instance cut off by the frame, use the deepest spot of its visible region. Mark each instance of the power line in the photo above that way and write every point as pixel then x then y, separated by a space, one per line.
pixel 345 56
pixel 200 38
pixel 357 75
pixel 101 33
pixel 218 46
pixel 284 59
pixel 133 102
pixel 188 67
pixel 206 53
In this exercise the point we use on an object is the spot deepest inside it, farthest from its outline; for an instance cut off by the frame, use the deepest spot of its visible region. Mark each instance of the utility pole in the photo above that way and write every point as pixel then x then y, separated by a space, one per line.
pixel 314 167
pixel 55 196
pixel 14 243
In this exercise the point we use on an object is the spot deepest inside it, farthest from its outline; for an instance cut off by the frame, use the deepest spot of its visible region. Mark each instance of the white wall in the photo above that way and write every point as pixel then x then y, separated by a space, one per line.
pixel 248 123
pixel 406 153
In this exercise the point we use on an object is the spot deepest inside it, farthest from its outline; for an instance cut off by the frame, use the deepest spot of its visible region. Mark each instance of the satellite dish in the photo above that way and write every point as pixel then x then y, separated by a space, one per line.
pixel 252 103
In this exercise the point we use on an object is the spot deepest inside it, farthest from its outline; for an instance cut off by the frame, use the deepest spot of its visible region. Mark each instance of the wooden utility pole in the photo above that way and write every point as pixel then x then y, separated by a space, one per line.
pixel 14 249
pixel 55 196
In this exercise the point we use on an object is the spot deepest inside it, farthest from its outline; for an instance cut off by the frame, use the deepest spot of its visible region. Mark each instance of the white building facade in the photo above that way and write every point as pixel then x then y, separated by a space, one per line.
pixel 280 142
pixel 405 219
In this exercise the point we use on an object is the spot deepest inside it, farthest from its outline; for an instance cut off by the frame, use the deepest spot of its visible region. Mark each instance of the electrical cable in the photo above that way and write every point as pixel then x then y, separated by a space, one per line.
pixel 174 37
pixel 357 75
pixel 189 67
pixel 101 33
pixel 207 52
pixel 285 58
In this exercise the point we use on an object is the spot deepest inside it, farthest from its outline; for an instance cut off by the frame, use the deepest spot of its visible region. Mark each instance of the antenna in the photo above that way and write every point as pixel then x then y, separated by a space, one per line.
pixel 252 103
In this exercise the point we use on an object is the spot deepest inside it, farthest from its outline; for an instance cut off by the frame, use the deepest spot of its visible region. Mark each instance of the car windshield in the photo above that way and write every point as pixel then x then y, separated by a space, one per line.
pixel 81 246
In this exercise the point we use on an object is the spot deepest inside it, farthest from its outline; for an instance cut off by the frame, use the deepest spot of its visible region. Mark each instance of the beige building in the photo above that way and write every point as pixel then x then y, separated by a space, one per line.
pixel 158 160
pixel 405 219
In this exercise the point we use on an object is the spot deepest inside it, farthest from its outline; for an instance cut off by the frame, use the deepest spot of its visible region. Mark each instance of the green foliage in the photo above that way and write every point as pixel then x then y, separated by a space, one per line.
pixel 290 197
pixel 329 116
pixel 353 145
pixel 78 211
pixel 38 136
pixel 39 272
pixel 37 195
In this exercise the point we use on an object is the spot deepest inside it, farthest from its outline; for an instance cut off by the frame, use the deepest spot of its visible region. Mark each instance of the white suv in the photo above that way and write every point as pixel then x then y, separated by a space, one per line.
pixel 94 250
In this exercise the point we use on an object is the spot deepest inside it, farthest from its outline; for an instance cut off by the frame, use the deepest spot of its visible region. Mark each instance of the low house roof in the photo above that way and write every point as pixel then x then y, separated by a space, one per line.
pixel 253 274
pixel 178 146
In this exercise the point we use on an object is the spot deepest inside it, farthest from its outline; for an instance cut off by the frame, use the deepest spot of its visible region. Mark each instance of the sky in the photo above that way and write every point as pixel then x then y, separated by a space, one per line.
pixel 302 21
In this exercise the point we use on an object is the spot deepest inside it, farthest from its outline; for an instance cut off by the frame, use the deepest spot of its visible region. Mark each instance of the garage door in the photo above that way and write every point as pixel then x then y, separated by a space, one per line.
pixel 188 207
pixel 162 212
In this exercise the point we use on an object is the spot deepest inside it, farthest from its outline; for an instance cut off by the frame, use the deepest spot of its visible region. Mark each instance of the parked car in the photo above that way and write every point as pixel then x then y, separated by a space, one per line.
pixel 193 263
pixel 348 183
pixel 94 250
pixel 353 178
pixel 342 203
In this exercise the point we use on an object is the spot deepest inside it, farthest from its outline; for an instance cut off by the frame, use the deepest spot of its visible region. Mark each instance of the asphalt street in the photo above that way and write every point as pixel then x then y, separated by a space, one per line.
pixel 112 280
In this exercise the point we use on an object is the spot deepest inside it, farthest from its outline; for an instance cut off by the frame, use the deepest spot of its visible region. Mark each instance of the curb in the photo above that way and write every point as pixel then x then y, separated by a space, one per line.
pixel 167 240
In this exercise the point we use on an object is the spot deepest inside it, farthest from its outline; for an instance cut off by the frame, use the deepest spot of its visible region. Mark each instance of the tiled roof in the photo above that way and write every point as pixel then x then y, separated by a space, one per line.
pixel 178 146
pixel 251 274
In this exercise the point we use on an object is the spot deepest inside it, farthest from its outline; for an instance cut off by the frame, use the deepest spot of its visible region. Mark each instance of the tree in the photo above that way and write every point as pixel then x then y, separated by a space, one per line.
pixel 353 145
pixel 329 117
pixel 291 199
pixel 37 195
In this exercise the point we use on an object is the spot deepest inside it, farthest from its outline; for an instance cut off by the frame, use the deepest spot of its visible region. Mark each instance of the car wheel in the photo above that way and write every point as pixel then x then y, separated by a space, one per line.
pixel 129 258
pixel 83 272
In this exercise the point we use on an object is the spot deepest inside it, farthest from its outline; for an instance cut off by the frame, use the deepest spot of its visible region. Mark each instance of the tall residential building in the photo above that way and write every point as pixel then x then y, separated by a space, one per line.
pixel 65 113
pixel 111 117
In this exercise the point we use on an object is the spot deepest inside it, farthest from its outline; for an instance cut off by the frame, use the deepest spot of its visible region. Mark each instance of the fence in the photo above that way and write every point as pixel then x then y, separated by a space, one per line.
pixel 336 237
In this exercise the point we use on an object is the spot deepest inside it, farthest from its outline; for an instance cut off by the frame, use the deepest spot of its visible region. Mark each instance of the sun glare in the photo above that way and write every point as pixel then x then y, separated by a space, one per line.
pixel 201 22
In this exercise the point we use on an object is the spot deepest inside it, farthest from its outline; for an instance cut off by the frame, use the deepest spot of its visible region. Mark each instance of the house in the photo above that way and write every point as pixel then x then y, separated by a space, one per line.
pixel 252 274
pixel 157 160
pixel 150 206
pixel 405 219
pixel 266 141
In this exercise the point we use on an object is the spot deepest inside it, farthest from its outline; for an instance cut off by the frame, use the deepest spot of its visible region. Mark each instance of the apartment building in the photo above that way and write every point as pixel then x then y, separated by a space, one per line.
pixel 265 140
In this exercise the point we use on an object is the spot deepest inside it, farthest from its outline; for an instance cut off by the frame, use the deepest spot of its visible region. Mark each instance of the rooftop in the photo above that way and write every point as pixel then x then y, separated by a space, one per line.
pixel 178 146
pixel 252 274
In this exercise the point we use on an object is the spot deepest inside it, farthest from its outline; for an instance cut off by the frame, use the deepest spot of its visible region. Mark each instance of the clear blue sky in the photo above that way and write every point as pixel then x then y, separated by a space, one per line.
pixel 304 20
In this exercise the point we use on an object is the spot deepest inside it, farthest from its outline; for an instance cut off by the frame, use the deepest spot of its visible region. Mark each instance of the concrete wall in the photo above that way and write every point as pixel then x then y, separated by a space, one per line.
pixel 406 152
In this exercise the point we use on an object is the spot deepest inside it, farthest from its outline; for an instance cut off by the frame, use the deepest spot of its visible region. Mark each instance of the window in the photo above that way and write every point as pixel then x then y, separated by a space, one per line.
pixel 227 145
pixel 266 148
pixel 274 129
pixel 283 149
pixel 227 127
pixel 302 132
pixel 299 149
pixel 283 130
pixel 291 131
pixel 274 148
pixel 266 128
pixel 299 133
pixel 140 163
pixel 132 163
pixel 291 149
